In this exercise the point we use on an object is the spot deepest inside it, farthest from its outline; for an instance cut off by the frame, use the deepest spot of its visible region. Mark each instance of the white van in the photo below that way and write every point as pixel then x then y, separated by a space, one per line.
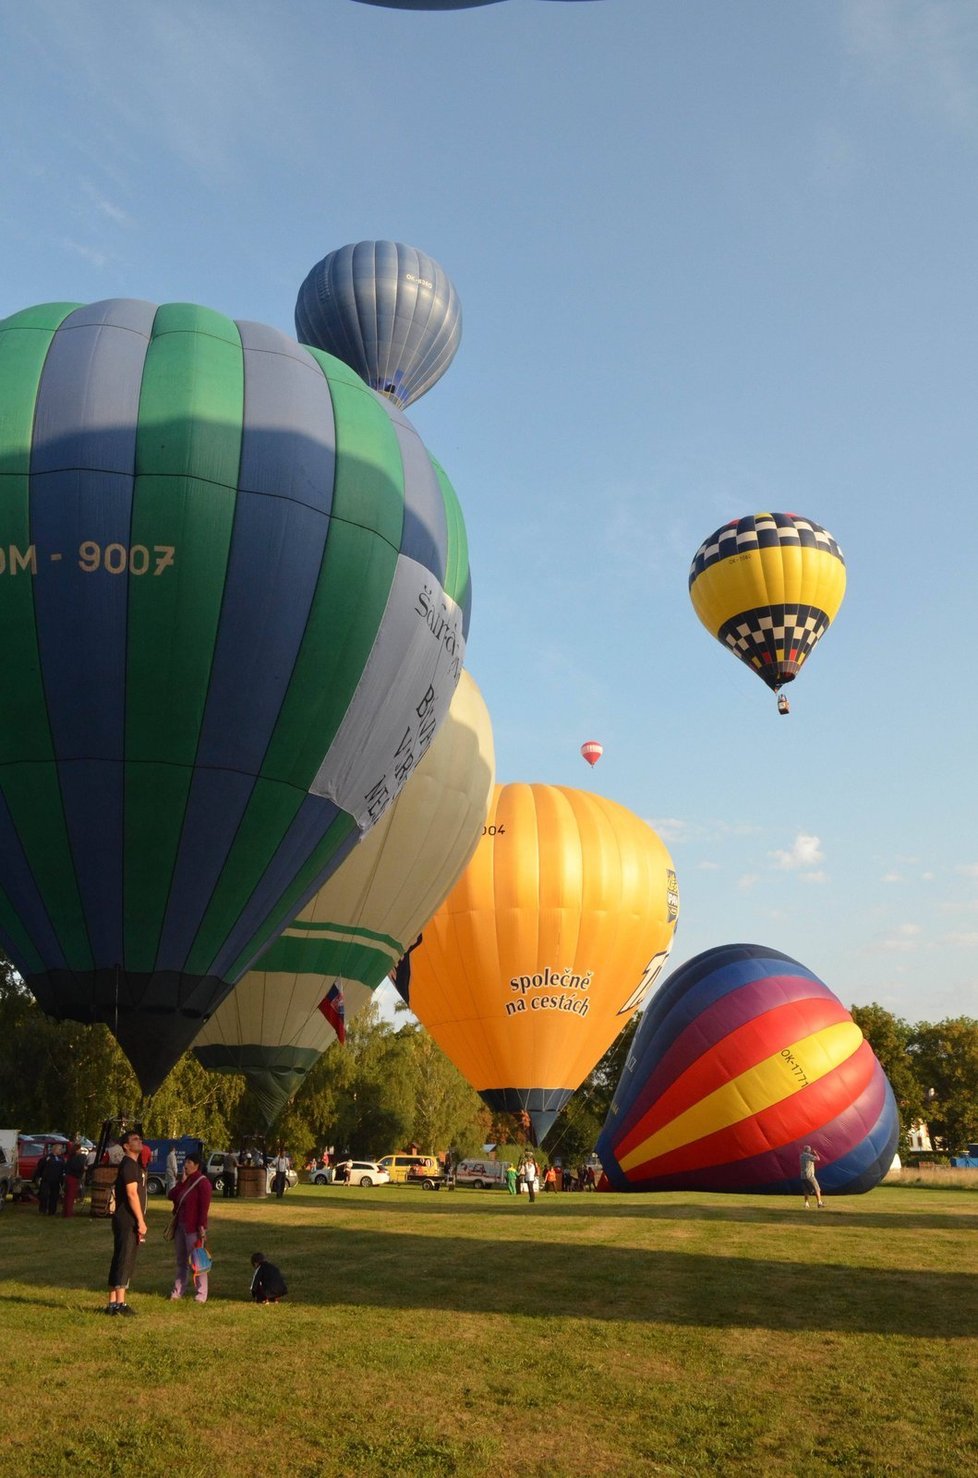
pixel 481 1174
pixel 8 1164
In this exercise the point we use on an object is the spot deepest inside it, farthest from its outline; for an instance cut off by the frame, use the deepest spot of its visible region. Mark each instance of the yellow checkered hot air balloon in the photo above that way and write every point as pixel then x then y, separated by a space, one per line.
pixel 768 586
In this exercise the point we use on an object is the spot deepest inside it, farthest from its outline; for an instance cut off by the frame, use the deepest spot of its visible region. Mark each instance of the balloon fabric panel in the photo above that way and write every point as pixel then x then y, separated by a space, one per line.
pixel 181 762
pixel 752 1048
pixel 359 924
pixel 741 1058
pixel 530 968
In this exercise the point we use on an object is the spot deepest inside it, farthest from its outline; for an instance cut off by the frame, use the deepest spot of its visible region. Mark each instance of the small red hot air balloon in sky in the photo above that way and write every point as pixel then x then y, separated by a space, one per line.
pixel 592 751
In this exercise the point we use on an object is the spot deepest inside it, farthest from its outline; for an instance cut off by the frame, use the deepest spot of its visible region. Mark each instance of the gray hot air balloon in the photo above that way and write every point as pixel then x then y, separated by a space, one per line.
pixel 387 310
pixel 430 4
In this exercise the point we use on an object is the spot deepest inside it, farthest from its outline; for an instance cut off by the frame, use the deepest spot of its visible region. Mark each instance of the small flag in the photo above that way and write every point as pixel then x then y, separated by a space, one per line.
pixel 332 1008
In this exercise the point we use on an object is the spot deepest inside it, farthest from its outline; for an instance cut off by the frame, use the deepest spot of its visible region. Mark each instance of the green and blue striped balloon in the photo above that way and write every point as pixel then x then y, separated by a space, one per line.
pixel 234 597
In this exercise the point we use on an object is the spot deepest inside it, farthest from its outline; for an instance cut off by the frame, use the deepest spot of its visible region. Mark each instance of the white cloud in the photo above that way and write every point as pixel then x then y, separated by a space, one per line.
pixel 804 853
pixel 106 207
pixel 747 880
pixel 671 829
pixel 962 938
pixel 89 253
pixel 968 869
pixel 904 938
pixel 891 877
pixel 927 52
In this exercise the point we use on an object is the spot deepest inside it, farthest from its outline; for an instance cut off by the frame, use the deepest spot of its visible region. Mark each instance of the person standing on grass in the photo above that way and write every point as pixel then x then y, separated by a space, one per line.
pixel 280 1180
pixel 511 1179
pixel 810 1185
pixel 74 1175
pixel 531 1176
pixel 128 1223
pixel 172 1169
pixel 50 1177
pixel 191 1201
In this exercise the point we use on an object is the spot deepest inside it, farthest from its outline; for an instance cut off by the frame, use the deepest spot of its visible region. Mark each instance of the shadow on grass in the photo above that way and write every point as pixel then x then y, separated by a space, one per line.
pixel 364 1267
pixel 780 1210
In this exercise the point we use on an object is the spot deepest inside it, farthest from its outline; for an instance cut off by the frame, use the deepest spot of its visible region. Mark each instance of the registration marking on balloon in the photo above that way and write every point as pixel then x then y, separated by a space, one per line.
pixel 114 559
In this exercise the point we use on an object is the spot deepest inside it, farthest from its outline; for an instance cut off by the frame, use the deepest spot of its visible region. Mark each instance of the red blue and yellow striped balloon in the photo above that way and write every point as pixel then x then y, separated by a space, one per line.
pixel 742 1058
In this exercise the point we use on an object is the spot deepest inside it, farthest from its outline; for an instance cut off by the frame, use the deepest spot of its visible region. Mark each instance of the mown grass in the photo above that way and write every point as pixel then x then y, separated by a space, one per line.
pixel 470 1333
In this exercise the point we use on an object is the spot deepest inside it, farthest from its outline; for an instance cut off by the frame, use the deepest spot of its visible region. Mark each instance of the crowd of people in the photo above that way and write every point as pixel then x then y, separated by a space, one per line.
pixel 60 1175
pixel 61 1172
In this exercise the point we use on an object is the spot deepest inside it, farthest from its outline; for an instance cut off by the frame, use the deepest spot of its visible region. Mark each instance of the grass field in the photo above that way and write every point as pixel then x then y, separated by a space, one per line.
pixel 467 1332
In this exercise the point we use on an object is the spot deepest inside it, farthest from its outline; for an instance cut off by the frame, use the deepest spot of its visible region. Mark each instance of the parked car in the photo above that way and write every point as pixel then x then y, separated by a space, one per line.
pixel 31 1149
pixel 480 1173
pixel 361 1172
pixel 422 1170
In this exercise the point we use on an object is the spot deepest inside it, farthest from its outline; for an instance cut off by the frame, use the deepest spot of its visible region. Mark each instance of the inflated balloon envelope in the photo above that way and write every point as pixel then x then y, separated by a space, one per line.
pixel 278 1020
pixel 546 945
pixel 437 4
pixel 768 586
pixel 742 1058
pixel 387 310
pixel 233 602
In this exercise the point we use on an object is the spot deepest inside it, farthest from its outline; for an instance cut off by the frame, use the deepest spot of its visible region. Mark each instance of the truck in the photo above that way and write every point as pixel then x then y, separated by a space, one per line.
pixel 422 1170
pixel 156 1169
pixel 481 1174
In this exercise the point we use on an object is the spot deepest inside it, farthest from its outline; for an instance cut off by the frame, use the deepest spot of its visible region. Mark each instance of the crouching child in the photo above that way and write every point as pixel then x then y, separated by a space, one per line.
pixel 267 1284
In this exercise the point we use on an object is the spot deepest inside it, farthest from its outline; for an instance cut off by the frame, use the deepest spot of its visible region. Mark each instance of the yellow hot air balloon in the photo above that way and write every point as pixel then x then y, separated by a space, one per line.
pixel 767 586
pixel 282 1016
pixel 546 945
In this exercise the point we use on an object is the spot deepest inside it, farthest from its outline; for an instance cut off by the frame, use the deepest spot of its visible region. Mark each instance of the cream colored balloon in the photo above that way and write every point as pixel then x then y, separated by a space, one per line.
pixel 353 932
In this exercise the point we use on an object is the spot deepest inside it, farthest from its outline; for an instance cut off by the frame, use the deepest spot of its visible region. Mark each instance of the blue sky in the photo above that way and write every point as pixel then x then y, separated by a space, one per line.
pixel 715 257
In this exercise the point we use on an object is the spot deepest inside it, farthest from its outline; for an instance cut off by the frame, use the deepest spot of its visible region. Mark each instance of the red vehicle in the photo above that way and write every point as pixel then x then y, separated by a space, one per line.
pixel 31 1149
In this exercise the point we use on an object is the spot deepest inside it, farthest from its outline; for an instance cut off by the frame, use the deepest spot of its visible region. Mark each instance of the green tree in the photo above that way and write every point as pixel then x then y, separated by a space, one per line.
pixel 70 1077
pixel 891 1038
pixel 357 1097
pixel 946 1059
pixel 445 1111
pixel 575 1131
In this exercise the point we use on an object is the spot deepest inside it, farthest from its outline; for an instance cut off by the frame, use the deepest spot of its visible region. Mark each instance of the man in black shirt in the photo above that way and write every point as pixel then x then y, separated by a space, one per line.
pixel 128 1222
pixel 50 1175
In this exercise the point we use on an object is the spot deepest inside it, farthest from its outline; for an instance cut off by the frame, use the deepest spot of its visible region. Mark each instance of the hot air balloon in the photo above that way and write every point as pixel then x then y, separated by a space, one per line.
pixel 742 1058
pixel 546 945
pixel 767 586
pixel 233 602
pixel 592 751
pixel 388 311
pixel 311 982
pixel 434 4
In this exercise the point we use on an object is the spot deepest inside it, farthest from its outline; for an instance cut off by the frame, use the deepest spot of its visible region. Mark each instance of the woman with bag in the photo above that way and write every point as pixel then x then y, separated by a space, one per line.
pixel 191 1199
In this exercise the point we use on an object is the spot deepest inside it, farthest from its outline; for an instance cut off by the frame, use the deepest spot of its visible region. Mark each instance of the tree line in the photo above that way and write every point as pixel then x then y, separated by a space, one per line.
pixel 390 1086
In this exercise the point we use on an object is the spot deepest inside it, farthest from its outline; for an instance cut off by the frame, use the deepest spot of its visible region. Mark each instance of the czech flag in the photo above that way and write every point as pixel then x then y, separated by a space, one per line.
pixel 332 1008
